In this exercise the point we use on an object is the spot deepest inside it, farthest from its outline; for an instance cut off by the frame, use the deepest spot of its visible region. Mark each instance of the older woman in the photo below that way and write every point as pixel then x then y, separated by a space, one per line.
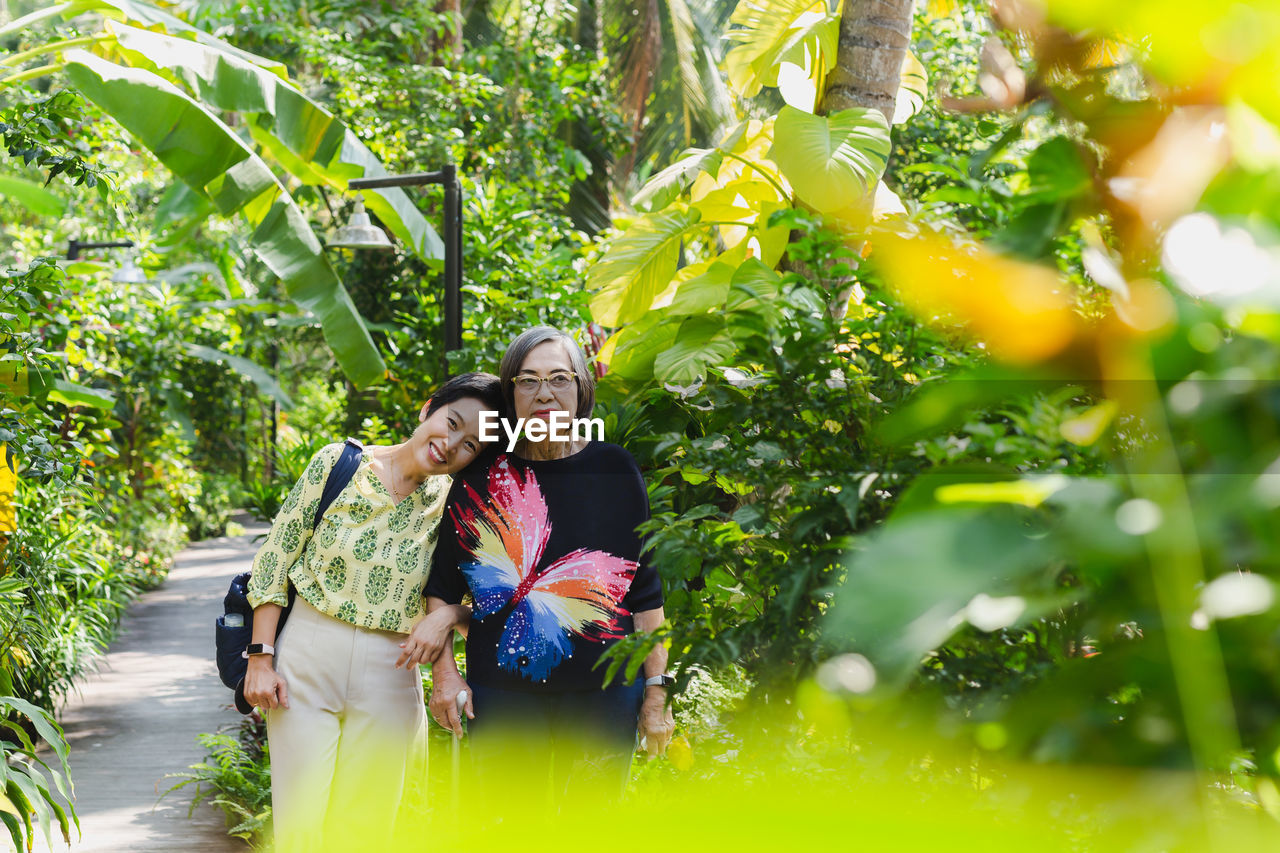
pixel 543 540
pixel 343 716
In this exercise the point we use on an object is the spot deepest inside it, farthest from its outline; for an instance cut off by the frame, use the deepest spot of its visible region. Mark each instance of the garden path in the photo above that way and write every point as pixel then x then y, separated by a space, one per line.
pixel 137 718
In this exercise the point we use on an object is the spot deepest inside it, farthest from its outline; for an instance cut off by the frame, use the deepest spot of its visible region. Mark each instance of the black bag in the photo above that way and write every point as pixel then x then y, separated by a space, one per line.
pixel 231 639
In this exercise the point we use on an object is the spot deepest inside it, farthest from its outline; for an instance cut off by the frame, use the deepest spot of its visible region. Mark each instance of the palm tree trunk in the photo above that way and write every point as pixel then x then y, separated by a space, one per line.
pixel 874 35
pixel 448 49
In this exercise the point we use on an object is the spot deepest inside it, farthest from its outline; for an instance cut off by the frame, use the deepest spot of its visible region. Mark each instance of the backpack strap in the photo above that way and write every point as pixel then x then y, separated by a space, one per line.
pixel 343 470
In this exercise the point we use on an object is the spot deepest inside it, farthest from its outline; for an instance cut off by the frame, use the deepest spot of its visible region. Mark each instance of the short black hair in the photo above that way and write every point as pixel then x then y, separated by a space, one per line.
pixel 484 387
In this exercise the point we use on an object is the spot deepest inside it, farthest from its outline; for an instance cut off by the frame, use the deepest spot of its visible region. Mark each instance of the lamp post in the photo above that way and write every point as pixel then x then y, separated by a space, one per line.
pixel 448 176
pixel 129 273
pixel 74 247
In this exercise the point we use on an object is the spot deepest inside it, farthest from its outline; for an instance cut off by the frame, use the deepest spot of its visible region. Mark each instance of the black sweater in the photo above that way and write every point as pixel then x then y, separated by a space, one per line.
pixel 549 553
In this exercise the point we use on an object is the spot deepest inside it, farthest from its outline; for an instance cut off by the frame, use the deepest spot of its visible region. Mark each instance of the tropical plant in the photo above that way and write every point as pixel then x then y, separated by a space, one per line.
pixel 27 798
pixel 664 60
pixel 165 67
pixel 235 777
pixel 710 215
pixel 1104 618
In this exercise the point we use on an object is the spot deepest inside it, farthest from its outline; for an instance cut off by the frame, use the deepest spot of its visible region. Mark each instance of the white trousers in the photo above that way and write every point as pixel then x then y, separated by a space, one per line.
pixel 352 741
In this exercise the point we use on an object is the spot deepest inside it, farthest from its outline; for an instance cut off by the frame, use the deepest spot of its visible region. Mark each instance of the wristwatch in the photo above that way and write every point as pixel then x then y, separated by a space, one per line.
pixel 258 649
pixel 664 680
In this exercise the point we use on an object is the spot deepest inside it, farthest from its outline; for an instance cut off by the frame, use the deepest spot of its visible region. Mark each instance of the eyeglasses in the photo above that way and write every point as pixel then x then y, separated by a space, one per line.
pixel 558 381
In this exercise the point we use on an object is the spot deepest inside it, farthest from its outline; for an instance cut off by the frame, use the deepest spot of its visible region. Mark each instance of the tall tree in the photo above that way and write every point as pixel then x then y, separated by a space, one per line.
pixel 874 35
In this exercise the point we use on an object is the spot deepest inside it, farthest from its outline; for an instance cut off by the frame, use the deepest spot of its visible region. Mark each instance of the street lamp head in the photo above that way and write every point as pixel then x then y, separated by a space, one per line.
pixel 130 273
pixel 360 233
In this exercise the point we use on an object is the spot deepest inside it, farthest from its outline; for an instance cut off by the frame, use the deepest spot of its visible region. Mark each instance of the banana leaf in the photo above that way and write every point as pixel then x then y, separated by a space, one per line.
pixel 301 135
pixel 33 197
pixel 208 156
pixel 250 370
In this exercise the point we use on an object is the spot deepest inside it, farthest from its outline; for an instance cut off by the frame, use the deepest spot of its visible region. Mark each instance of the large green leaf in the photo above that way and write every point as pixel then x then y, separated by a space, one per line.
pixel 210 157
pixel 148 15
pixel 301 135
pixel 74 394
pixel 910 583
pixel 55 10
pixel 664 187
pixel 803 32
pixel 181 205
pixel 705 291
pixel 46 728
pixel 1056 172
pixel 754 288
pixel 44 385
pixel 831 161
pixel 639 265
pixel 639 344
pixel 701 343
pixel 255 373
pixel 33 197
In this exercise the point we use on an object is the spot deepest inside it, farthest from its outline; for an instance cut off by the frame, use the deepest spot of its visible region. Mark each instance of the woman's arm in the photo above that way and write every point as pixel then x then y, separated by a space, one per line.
pixel 433 632
pixel 263 686
pixel 657 724
pixel 446 681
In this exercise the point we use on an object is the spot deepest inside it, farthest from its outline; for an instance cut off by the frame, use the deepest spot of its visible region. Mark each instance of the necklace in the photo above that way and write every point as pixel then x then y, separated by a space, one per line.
pixel 394 472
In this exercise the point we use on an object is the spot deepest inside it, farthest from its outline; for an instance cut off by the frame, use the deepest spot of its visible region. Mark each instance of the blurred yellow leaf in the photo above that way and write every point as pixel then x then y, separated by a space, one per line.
pixel 8 486
pixel 20 656
pixel 1031 493
pixel 1105 53
pixel 912 90
pixel 1087 427
pixel 1255 142
pixel 1231 49
pixel 1146 308
pixel 1018 309
pixel 680 753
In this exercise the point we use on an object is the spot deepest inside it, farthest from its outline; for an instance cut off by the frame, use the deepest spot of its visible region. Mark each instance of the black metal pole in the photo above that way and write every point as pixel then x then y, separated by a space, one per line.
pixel 74 247
pixel 452 236
pixel 452 260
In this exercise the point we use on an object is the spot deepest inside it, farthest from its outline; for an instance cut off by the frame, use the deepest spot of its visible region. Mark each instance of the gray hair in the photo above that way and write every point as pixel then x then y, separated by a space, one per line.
pixel 518 351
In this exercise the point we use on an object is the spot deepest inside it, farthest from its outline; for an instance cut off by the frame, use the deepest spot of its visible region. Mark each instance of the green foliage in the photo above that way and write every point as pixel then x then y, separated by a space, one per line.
pixel 37 133
pixel 770 33
pixel 236 777
pixel 26 798
pixel 763 472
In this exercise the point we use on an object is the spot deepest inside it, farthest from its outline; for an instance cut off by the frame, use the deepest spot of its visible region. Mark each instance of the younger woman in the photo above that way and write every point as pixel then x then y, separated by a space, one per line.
pixel 344 719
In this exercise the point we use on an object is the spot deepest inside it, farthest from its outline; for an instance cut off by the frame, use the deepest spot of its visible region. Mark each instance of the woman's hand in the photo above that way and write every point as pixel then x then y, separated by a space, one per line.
pixel 657 724
pixel 445 687
pixel 263 686
pixel 429 636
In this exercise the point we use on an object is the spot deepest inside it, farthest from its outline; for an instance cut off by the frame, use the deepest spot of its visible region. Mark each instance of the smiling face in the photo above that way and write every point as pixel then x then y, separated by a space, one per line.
pixel 449 438
pixel 540 400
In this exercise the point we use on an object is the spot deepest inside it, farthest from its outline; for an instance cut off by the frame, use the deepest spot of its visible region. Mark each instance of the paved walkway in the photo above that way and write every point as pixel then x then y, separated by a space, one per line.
pixel 137 718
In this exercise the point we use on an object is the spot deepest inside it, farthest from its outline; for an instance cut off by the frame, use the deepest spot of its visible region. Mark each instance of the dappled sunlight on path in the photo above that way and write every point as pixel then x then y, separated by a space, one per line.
pixel 136 718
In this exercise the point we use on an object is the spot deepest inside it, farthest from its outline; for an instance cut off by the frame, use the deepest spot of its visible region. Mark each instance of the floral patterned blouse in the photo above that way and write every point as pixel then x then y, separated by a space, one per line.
pixel 366 562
